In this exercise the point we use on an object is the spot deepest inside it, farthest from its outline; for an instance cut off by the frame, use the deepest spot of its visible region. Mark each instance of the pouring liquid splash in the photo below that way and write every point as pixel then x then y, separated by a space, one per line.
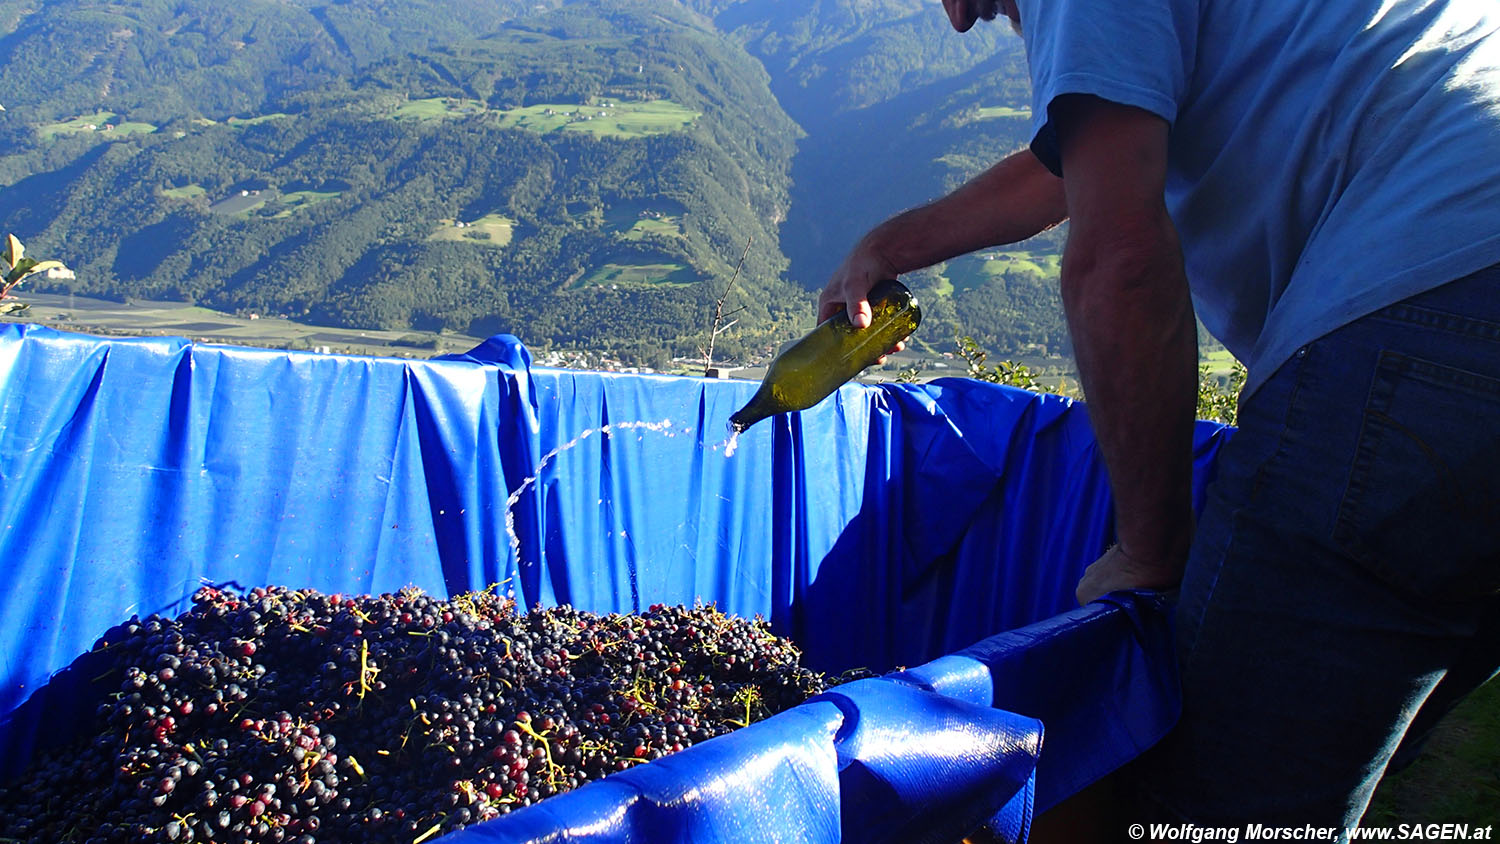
pixel 606 430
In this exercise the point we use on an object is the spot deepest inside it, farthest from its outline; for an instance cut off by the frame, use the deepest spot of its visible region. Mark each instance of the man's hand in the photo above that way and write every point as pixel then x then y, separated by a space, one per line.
pixel 1011 201
pixel 849 288
pixel 1117 570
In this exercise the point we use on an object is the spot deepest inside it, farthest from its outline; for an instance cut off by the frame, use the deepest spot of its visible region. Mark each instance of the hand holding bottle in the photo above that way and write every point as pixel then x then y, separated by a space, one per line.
pixel 849 287
pixel 831 354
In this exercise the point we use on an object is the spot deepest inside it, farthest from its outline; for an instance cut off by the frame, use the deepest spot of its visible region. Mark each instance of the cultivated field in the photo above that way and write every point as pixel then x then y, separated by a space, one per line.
pixel 489 230
pixel 604 119
pixel 176 319
pixel 101 122
pixel 974 270
pixel 185 192
pixel 993 112
pixel 612 274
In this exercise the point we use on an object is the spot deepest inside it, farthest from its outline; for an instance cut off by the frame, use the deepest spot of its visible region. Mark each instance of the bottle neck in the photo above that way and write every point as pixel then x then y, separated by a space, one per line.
pixel 745 418
pixel 759 407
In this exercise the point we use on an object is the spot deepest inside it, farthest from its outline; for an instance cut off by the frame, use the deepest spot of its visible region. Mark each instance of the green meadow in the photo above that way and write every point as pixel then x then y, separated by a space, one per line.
pixel 974 270
pixel 994 112
pixel 185 192
pixel 299 199
pixel 634 120
pixel 1219 360
pixel 260 118
pixel 636 221
pixel 489 230
pixel 630 274
pixel 131 127
pixel 95 122
pixel 609 119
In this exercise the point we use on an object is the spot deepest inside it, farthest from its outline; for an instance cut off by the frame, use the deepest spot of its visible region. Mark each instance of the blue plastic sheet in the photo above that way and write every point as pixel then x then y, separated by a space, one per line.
pixel 838 768
pixel 924 755
pixel 884 528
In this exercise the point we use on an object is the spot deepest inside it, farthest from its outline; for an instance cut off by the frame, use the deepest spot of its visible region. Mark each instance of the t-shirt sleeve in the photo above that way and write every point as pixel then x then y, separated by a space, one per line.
pixel 1137 54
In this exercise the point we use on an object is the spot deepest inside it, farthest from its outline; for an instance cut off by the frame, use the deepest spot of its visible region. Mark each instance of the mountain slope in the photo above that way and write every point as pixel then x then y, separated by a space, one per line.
pixel 577 172
pixel 898 109
pixel 604 162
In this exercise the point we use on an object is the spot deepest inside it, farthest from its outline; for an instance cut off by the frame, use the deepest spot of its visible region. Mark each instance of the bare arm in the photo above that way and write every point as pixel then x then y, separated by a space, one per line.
pixel 1131 319
pixel 1009 202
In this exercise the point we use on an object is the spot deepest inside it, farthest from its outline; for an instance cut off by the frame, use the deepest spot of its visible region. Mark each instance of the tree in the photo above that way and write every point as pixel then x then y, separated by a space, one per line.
pixel 1006 372
pixel 1218 395
pixel 1219 398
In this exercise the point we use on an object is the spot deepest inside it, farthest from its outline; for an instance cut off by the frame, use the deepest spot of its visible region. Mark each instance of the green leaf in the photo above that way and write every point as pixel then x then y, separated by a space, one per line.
pixel 19 270
pixel 14 251
pixel 43 266
pixel 27 267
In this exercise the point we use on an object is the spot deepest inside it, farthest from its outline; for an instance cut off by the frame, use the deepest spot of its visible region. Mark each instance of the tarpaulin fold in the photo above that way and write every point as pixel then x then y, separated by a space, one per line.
pixel 841 767
pixel 886 527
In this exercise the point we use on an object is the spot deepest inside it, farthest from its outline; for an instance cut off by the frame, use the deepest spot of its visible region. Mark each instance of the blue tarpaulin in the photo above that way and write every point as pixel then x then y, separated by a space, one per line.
pixel 941 526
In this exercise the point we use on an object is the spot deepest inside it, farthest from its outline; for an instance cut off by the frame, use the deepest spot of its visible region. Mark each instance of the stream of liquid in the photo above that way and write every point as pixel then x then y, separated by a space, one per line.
pixel 663 427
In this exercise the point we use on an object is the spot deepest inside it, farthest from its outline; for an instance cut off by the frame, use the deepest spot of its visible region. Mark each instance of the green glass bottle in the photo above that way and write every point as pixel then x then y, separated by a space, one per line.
pixel 831 354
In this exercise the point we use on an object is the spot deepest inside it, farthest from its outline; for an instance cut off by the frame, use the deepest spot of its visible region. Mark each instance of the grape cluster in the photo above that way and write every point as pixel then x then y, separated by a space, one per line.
pixel 292 716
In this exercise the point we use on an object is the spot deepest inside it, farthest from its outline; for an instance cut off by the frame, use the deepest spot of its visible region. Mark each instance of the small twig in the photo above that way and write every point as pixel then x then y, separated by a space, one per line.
pixel 718 326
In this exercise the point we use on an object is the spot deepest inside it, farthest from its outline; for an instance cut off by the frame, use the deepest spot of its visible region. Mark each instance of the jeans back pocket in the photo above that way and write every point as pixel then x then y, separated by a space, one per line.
pixel 1422 507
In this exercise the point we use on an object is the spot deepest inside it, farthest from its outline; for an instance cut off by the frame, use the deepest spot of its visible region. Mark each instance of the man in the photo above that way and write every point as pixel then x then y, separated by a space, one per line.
pixel 1325 178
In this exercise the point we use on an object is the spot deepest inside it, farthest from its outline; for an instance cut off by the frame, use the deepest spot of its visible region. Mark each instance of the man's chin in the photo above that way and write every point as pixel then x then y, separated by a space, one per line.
pixel 964 13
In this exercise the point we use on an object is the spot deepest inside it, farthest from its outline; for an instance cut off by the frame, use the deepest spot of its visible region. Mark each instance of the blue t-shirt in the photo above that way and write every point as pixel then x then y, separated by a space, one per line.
pixel 1327 157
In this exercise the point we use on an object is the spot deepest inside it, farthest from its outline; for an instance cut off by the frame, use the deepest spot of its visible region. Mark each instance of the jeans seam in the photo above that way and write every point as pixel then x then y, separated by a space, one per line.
pixel 1234 515
pixel 1282 446
pixel 1445 321
pixel 1361 462
pixel 1443 376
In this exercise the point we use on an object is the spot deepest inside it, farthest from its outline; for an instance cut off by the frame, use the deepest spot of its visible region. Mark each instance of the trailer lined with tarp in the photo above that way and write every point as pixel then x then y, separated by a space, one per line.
pixel 931 533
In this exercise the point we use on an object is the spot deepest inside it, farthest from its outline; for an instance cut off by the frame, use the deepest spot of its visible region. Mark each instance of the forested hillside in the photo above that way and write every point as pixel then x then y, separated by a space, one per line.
pixel 159 59
pixel 898 109
pixel 577 173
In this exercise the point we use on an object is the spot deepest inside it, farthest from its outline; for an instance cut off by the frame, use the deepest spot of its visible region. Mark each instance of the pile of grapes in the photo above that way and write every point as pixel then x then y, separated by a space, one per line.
pixel 294 716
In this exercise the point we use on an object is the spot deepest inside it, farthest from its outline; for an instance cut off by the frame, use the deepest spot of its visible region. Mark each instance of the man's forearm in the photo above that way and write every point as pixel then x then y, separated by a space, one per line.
pixel 1011 201
pixel 1131 319
pixel 1135 342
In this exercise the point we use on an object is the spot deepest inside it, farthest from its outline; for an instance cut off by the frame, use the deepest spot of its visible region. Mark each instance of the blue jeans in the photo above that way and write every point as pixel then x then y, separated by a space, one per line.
pixel 1344 585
